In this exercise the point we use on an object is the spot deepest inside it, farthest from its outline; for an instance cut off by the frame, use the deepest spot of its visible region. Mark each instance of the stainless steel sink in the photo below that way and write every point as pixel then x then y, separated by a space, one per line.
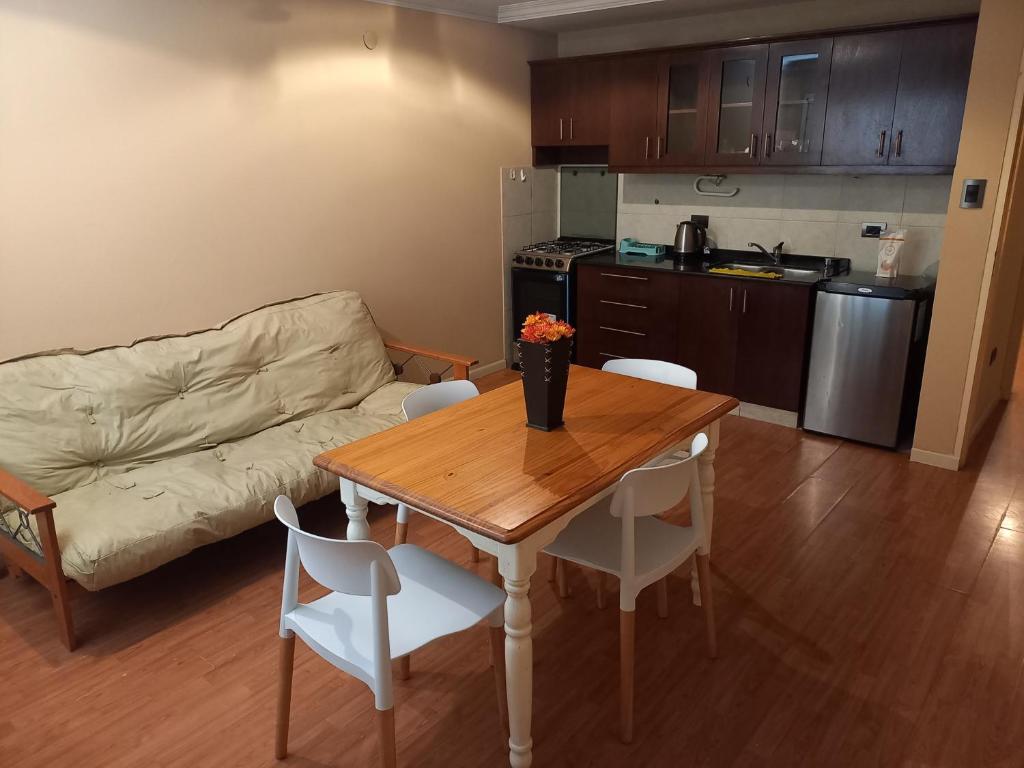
pixel 788 273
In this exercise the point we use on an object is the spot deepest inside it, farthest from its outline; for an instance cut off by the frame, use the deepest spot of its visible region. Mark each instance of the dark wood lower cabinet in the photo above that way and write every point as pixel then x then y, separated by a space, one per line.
pixel 707 331
pixel 771 344
pixel 744 338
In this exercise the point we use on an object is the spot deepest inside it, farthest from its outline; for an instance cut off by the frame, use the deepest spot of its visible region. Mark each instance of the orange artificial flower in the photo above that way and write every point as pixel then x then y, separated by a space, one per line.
pixel 542 328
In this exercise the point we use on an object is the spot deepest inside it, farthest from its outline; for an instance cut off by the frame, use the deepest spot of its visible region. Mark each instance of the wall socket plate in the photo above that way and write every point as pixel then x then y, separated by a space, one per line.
pixel 872 228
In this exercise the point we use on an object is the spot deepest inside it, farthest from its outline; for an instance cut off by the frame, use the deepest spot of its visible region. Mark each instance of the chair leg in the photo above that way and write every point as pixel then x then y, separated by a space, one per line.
pixel 498 655
pixel 627 636
pixel 474 553
pixel 552 568
pixel 286 664
pixel 563 579
pixel 404 667
pixel 600 590
pixel 704 577
pixel 663 598
pixel 386 729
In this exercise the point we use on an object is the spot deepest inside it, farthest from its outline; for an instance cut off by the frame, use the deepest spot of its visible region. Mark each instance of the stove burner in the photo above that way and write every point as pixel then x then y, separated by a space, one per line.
pixel 559 253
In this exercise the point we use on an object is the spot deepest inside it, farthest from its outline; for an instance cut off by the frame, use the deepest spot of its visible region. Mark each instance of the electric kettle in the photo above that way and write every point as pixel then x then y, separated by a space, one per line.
pixel 690 238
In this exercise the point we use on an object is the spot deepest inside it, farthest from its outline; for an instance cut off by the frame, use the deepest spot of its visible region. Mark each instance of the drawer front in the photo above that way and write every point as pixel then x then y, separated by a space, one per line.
pixel 629 286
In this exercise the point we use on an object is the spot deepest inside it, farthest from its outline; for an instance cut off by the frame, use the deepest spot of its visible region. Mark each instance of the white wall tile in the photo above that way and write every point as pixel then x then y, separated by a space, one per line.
pixel 927 199
pixel 861 251
pixel 516 231
pixel 544 225
pixel 921 250
pixel 545 189
pixel 871 198
pixel 736 233
pixel 810 238
pixel 648 227
pixel 811 198
pixel 516 195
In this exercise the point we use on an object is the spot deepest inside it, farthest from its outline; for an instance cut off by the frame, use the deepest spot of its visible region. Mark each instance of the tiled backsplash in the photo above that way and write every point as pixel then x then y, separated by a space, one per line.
pixel 813 215
pixel 529 214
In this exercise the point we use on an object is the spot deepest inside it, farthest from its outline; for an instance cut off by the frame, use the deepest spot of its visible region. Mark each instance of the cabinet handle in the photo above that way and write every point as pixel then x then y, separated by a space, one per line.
pixel 561 136
pixel 768 145
pixel 730 299
pixel 609 354
pixel 881 145
pixel 623 277
pixel 619 330
pixel 570 129
pixel 899 142
pixel 623 304
pixel 647 147
pixel 657 149
pixel 753 146
pixel 744 301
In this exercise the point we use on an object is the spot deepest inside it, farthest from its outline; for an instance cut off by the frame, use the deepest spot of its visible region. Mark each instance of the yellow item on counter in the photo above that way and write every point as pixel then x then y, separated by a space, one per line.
pixel 745 273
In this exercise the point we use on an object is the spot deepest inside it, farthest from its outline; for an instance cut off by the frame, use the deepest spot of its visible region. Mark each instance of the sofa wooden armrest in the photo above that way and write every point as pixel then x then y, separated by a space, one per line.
pixel 459 364
pixel 43 565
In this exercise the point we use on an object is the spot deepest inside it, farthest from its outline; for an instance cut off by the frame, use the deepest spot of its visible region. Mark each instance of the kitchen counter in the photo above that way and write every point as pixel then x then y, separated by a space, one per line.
pixel 700 265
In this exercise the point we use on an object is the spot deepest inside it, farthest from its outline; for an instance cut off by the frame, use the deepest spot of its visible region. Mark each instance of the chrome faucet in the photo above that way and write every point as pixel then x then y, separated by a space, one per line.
pixel 775 254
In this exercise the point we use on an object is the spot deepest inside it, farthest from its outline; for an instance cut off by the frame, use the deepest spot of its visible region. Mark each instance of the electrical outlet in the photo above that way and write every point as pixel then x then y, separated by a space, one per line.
pixel 872 228
pixel 701 220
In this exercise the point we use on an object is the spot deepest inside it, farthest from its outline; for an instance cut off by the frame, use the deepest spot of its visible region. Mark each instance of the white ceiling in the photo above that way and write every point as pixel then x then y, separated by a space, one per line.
pixel 569 15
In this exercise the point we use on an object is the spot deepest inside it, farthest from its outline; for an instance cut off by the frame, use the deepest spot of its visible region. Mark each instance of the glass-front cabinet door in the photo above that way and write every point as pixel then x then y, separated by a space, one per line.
pixel 736 89
pixel 794 111
pixel 682 109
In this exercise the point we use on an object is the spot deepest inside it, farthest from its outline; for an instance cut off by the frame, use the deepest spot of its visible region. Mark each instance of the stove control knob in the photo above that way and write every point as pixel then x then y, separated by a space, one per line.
pixel 559 263
pixel 519 259
pixel 549 262
pixel 529 259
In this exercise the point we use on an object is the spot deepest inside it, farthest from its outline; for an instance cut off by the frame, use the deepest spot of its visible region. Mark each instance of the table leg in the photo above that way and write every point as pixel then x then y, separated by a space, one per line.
pixel 355 507
pixel 517 566
pixel 706 471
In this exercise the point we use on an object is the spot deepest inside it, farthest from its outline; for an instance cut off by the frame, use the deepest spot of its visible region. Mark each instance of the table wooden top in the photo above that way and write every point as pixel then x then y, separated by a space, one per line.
pixel 478 465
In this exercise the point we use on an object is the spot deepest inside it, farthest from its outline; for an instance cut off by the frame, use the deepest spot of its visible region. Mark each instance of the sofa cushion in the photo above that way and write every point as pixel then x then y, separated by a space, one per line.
pixel 71 419
pixel 126 524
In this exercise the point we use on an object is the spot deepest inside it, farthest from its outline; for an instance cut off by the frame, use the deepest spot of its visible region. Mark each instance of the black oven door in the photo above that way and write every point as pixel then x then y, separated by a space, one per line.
pixel 536 290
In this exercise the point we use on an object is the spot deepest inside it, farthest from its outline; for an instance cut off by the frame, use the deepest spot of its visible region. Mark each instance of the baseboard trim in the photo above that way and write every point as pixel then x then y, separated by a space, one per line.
pixel 479 371
pixel 771 415
pixel 934 459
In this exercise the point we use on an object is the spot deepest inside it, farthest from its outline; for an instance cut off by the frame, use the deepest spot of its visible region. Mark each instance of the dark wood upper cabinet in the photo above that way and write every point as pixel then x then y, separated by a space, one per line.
pixel 832 104
pixel 934 71
pixel 633 133
pixel 682 109
pixel 569 103
pixel 590 116
pixel 795 98
pixel 736 91
pixel 862 98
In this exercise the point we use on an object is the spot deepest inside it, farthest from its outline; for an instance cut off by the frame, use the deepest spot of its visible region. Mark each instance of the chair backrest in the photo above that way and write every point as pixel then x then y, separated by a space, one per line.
pixel 653 490
pixel 654 370
pixel 437 396
pixel 341 566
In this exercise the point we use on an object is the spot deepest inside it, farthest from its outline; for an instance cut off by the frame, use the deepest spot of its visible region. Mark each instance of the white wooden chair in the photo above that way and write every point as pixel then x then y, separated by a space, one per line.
pixel 663 373
pixel 384 604
pixel 621 536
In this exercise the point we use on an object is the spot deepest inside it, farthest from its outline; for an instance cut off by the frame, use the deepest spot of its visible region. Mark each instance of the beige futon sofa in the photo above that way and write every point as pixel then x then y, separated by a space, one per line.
pixel 117 461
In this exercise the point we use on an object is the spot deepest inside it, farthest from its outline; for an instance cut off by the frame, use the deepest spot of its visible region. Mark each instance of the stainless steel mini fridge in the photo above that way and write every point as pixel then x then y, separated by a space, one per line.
pixel 867 355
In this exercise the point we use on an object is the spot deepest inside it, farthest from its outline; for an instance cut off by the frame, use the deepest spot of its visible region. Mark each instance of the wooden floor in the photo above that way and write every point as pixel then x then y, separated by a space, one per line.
pixel 870 612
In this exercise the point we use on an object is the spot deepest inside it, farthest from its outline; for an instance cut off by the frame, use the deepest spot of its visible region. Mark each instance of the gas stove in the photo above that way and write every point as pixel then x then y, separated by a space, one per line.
pixel 557 255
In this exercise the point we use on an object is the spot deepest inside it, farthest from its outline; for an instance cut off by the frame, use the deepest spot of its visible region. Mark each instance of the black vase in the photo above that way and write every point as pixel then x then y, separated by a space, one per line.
pixel 545 376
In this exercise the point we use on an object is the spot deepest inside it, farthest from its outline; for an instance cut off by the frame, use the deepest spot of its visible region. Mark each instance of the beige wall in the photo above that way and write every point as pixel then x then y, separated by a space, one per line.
pixel 167 165
pixel 781 19
pixel 968 247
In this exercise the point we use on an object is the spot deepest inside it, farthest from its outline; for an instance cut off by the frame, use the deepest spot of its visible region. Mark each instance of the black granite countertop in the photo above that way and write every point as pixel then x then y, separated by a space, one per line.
pixel 702 264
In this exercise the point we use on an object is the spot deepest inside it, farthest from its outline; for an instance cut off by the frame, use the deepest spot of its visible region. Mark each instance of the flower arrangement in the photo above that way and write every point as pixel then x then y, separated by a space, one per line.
pixel 543 328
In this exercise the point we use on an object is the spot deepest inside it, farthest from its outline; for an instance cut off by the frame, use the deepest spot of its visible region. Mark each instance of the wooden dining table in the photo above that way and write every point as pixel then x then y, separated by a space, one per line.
pixel 511 489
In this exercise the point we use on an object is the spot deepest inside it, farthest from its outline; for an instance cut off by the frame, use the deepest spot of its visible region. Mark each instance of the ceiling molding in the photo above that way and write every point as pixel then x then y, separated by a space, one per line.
pixel 428 8
pixel 544 9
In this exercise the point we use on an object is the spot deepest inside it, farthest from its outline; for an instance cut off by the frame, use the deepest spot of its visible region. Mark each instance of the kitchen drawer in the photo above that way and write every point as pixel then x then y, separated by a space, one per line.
pixel 599 344
pixel 643 318
pixel 629 286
